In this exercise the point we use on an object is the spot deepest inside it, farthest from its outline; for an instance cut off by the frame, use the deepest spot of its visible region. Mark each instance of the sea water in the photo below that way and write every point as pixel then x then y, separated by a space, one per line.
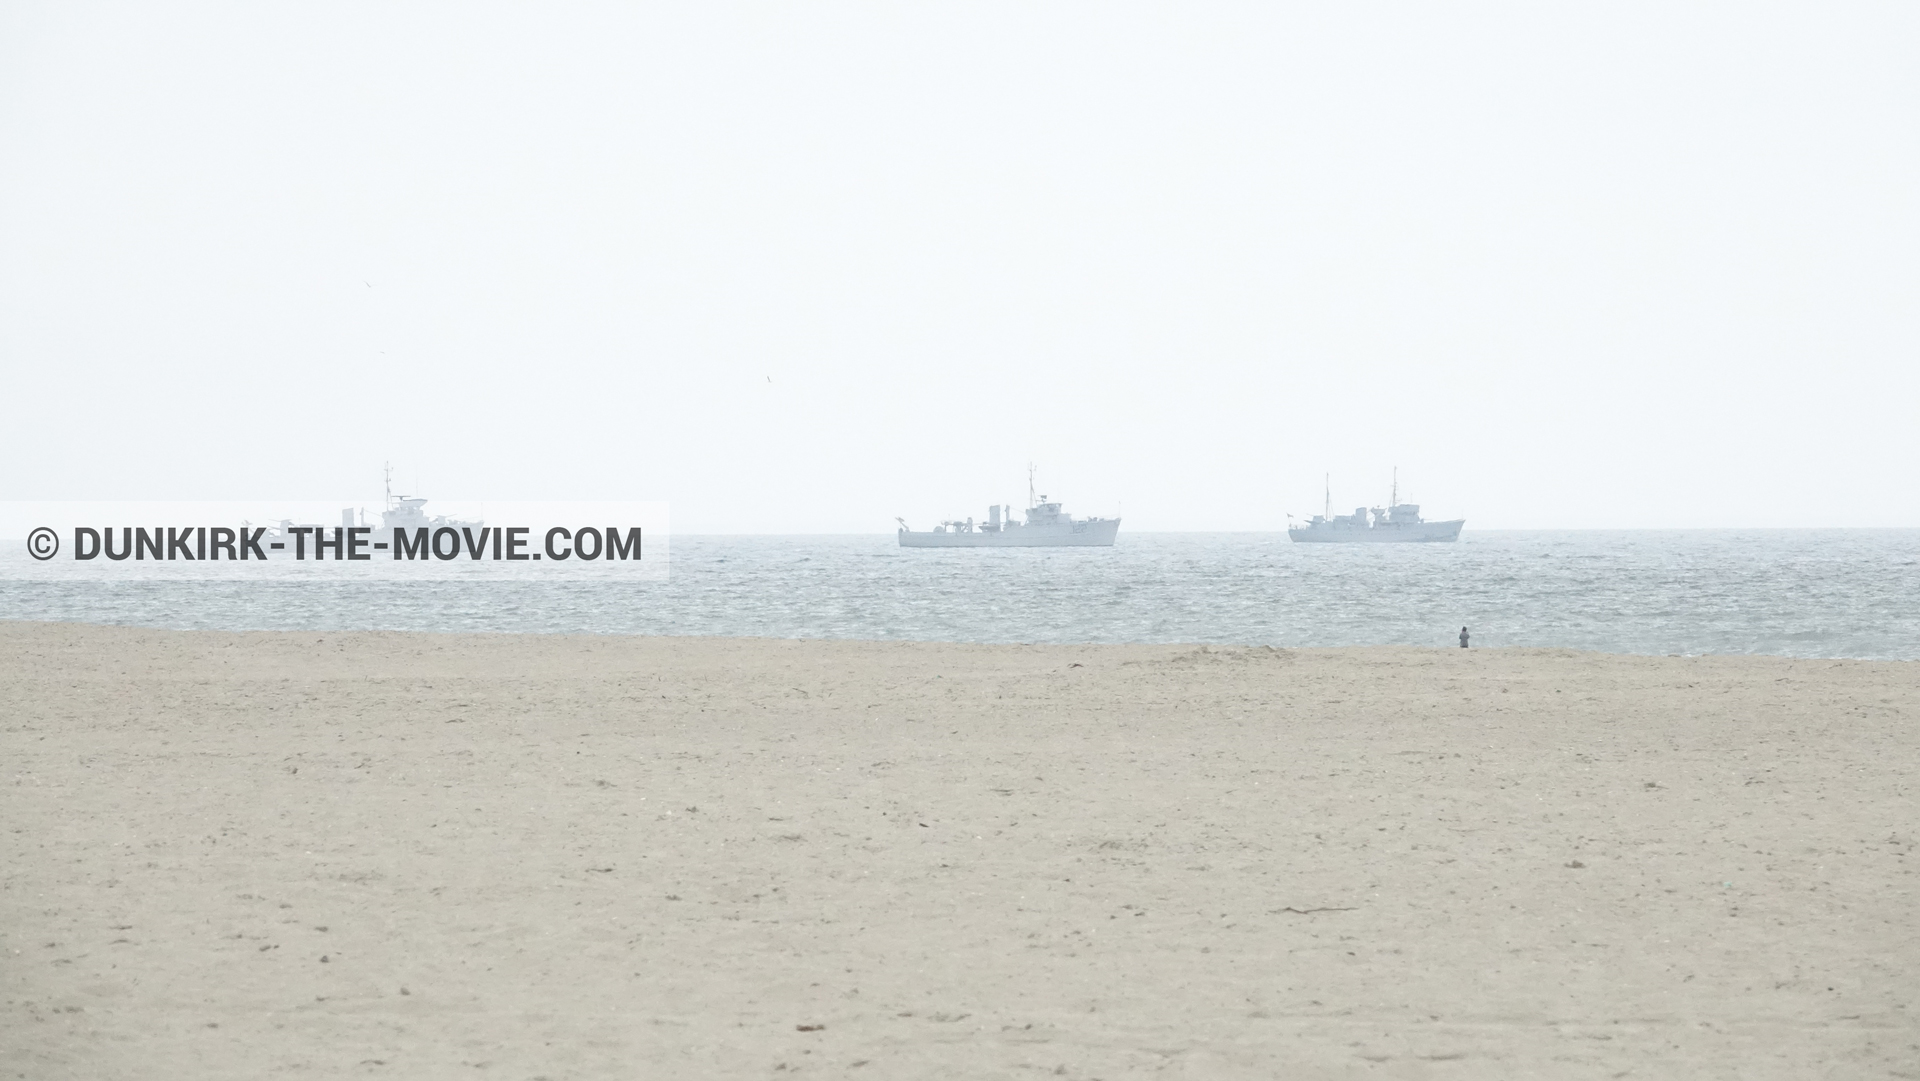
pixel 1803 593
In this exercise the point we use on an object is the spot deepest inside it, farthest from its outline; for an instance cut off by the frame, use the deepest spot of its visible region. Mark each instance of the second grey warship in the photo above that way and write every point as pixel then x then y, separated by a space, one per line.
pixel 1395 522
pixel 1046 526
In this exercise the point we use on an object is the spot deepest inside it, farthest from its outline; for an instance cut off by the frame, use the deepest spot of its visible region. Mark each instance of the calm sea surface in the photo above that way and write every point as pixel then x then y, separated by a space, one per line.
pixel 1805 593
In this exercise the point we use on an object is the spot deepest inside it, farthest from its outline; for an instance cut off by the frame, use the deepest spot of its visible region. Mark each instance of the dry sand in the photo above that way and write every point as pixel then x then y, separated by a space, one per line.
pixel 417 856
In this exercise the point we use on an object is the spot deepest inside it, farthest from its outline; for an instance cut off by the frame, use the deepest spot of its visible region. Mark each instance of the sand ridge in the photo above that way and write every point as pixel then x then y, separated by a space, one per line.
pixel 356 854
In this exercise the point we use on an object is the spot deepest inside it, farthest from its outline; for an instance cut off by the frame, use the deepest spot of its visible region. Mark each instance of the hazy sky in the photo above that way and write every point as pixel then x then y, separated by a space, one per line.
pixel 805 267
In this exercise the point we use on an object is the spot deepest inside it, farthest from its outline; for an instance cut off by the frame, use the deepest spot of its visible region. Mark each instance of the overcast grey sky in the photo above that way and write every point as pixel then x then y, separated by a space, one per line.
pixel 804 267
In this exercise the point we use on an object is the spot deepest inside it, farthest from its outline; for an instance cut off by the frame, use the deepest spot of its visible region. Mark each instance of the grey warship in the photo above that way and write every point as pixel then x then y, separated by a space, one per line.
pixel 402 512
pixel 1396 522
pixel 1046 526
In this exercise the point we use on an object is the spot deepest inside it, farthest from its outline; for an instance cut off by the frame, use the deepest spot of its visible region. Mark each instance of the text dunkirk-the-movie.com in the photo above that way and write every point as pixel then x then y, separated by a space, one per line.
pixel 603 540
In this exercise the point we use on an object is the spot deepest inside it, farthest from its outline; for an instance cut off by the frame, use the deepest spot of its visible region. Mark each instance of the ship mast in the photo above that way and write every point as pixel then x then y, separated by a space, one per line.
pixel 1031 501
pixel 389 466
pixel 1328 514
pixel 1394 499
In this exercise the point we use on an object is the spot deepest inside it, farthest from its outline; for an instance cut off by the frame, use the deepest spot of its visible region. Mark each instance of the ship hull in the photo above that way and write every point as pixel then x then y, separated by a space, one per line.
pixel 1078 535
pixel 1384 533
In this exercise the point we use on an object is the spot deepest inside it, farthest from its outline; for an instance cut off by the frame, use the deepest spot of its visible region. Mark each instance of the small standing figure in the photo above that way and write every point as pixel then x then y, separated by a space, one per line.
pixel 1463 638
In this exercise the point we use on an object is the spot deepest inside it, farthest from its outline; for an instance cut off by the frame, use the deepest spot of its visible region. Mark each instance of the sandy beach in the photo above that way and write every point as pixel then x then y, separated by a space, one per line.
pixel 425 856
